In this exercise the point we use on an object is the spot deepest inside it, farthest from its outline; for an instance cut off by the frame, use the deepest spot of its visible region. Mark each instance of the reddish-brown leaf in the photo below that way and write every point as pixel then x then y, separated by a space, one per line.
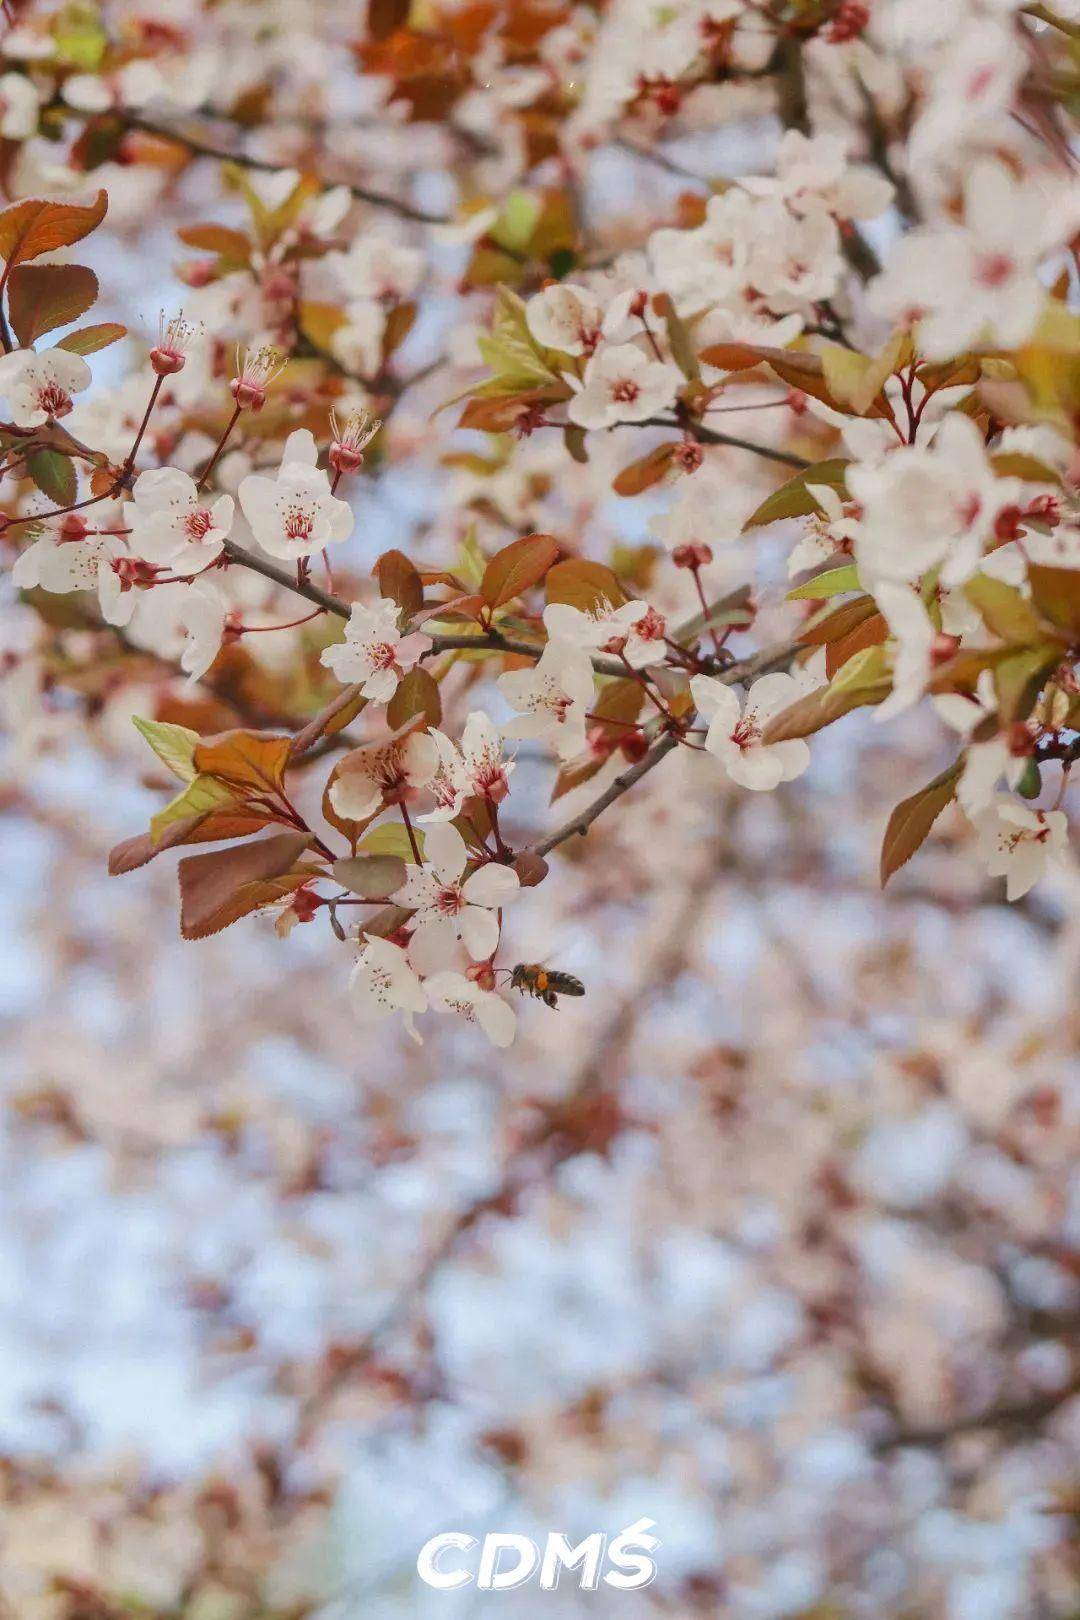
pixel 44 296
pixel 219 239
pixel 584 584
pixel 34 226
pixel 913 818
pixel 132 853
pixel 399 580
pixel 516 567
pixel 384 17
pixel 252 761
pixel 643 474
pixel 220 888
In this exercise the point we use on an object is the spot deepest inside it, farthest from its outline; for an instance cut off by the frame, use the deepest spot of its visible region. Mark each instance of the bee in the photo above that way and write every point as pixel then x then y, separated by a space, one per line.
pixel 546 984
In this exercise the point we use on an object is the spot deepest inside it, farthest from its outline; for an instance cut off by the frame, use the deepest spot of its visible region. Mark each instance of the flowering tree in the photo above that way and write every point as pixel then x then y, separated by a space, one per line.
pixel 883 315
pixel 594 405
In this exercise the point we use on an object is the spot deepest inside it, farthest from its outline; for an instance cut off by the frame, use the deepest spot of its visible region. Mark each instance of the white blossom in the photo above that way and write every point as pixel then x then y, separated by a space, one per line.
pixel 444 903
pixel 564 317
pixel 454 993
pixel 172 523
pixel 1017 843
pixel 551 698
pixel 927 507
pixel 39 387
pixel 294 513
pixel 734 734
pixel 622 384
pixel 375 654
pixel 384 773
pixel 383 982
pixel 633 630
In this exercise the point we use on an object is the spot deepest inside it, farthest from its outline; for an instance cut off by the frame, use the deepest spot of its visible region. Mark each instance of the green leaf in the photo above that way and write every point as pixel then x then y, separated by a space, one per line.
pixel 89 339
pixel 515 225
pixel 1019 678
pixel 202 794
pixel 832 582
pixel 54 475
pixel 391 838
pixel 417 697
pixel 510 350
pixel 174 745
pixel 81 40
pixel 862 682
pixel 913 818
pixel 373 877
pixel 44 296
pixel 793 499
pixel 1005 611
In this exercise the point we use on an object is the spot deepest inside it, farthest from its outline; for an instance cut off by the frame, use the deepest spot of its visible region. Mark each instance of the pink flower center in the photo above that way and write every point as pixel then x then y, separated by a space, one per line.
pixel 381 654
pixel 746 733
pixel 994 269
pixel 625 391
pixel 54 400
pixel 197 524
pixel 449 902
pixel 298 524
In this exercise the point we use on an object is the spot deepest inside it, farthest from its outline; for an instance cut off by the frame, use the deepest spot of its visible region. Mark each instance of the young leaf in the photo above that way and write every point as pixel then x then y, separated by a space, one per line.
pixel 793 499
pixel 516 567
pixel 220 888
pixel 417 697
pixel 1005 611
pixel 399 580
pixel 174 745
pixel 54 475
pixel 89 339
pixel 862 682
pixel 206 828
pixel 374 877
pixel 584 584
pixel 220 239
pixel 1056 593
pixel 202 795
pixel 643 474
pixel 44 296
pixel 33 227
pixel 319 323
pixel 913 818
pixel 392 838
pixel 832 582
pixel 250 762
